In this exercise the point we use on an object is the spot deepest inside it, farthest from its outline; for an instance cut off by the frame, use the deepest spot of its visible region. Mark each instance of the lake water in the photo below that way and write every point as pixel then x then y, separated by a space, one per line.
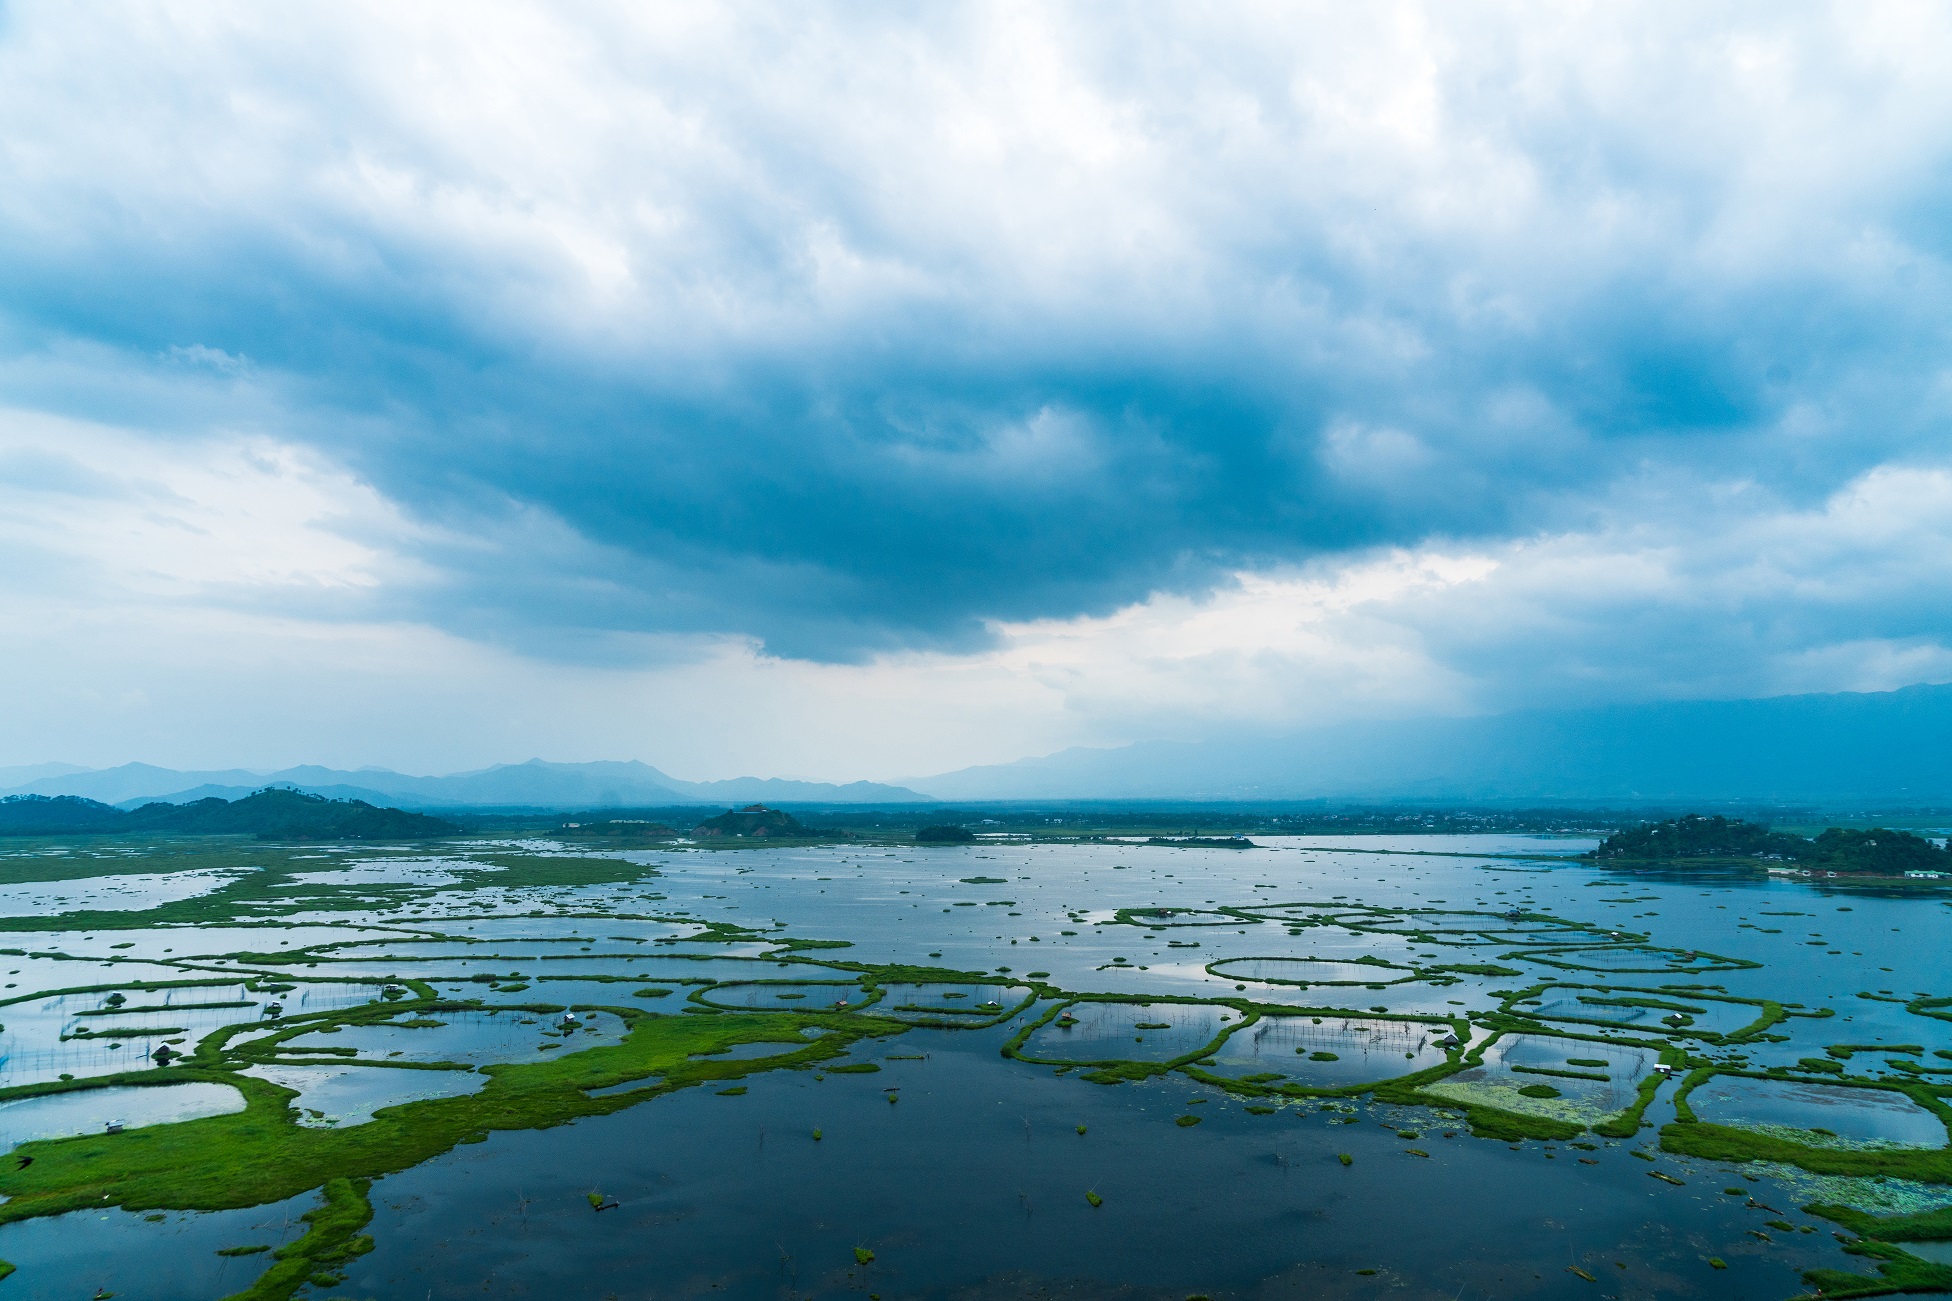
pixel 974 1181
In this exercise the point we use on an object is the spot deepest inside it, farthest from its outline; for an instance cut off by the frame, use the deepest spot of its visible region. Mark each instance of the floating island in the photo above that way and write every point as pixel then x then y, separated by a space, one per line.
pixel 207 1026
pixel 1836 851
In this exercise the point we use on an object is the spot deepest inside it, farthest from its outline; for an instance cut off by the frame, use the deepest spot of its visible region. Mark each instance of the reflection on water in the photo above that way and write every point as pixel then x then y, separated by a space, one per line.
pixel 732 1195
pixel 131 893
pixel 946 1002
pixel 806 997
pixel 1939 1253
pixel 1330 1052
pixel 92 1111
pixel 1580 1080
pixel 471 1038
pixel 156 1257
pixel 349 1095
pixel 1865 1115
pixel 749 1052
pixel 1663 1012
pixel 1145 1032
pixel 1307 971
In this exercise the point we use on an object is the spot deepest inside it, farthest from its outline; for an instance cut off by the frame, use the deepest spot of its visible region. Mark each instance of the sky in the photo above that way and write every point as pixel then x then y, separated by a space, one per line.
pixel 866 391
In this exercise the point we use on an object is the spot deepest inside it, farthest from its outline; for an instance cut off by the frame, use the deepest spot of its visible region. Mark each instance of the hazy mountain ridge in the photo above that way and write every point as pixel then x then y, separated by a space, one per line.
pixel 535 784
pixel 1888 745
pixel 1879 746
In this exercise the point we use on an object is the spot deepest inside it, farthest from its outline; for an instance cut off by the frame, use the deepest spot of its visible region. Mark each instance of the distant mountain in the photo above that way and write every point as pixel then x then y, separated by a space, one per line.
pixel 780 790
pixel 11 777
pixel 535 784
pixel 207 792
pixel 133 781
pixel 1883 747
pixel 267 814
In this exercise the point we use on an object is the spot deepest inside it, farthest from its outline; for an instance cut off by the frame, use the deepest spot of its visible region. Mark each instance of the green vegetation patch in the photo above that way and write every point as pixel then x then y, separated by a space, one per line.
pixel 334 1239
pixel 1873 851
pixel 1688 1135
pixel 262 1155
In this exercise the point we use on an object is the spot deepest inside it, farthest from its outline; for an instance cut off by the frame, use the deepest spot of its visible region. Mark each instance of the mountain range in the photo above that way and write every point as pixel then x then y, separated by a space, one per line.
pixel 1880 747
pixel 535 784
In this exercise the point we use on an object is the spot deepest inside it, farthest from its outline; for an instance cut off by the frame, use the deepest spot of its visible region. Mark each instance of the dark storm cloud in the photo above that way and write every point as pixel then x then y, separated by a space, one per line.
pixel 851 333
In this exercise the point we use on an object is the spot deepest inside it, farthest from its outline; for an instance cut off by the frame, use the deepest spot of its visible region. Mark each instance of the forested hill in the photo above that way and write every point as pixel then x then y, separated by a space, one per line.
pixel 1878 851
pixel 271 814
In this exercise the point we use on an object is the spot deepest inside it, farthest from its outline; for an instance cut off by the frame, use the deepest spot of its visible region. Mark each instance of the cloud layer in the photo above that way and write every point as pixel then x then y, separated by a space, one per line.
pixel 1054 373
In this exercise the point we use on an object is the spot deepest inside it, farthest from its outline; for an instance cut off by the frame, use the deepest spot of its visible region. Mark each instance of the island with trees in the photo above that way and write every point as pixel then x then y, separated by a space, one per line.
pixel 1695 839
pixel 752 821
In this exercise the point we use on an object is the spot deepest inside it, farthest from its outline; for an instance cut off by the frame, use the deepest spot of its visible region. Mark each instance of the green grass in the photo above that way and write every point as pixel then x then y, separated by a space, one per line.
pixel 261 1154
pixel 1691 1136
pixel 1627 1123
pixel 1897 1271
pixel 333 1239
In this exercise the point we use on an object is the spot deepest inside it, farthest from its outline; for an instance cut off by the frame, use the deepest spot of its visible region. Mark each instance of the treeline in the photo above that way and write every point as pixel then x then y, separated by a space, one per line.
pixel 275 813
pixel 1878 851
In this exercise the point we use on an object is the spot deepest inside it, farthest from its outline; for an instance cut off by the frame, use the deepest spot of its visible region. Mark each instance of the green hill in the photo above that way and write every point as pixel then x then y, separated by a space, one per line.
pixel 271 814
pixel 752 820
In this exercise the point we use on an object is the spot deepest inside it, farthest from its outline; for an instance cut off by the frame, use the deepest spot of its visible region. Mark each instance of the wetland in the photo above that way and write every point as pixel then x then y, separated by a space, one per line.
pixel 962 1068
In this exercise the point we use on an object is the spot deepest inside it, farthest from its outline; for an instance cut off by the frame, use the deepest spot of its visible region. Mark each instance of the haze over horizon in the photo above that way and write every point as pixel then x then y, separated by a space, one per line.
pixel 865 394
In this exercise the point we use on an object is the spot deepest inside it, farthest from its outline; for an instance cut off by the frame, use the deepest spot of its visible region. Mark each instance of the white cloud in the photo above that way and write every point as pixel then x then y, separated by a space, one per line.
pixel 119 516
pixel 180 643
pixel 1398 237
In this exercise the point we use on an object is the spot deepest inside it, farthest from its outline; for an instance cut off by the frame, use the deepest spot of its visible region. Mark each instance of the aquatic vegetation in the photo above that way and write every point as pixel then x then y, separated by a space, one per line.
pixel 1623 958
pixel 1589 1055
pixel 1365 970
pixel 259 1155
pixel 333 1239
